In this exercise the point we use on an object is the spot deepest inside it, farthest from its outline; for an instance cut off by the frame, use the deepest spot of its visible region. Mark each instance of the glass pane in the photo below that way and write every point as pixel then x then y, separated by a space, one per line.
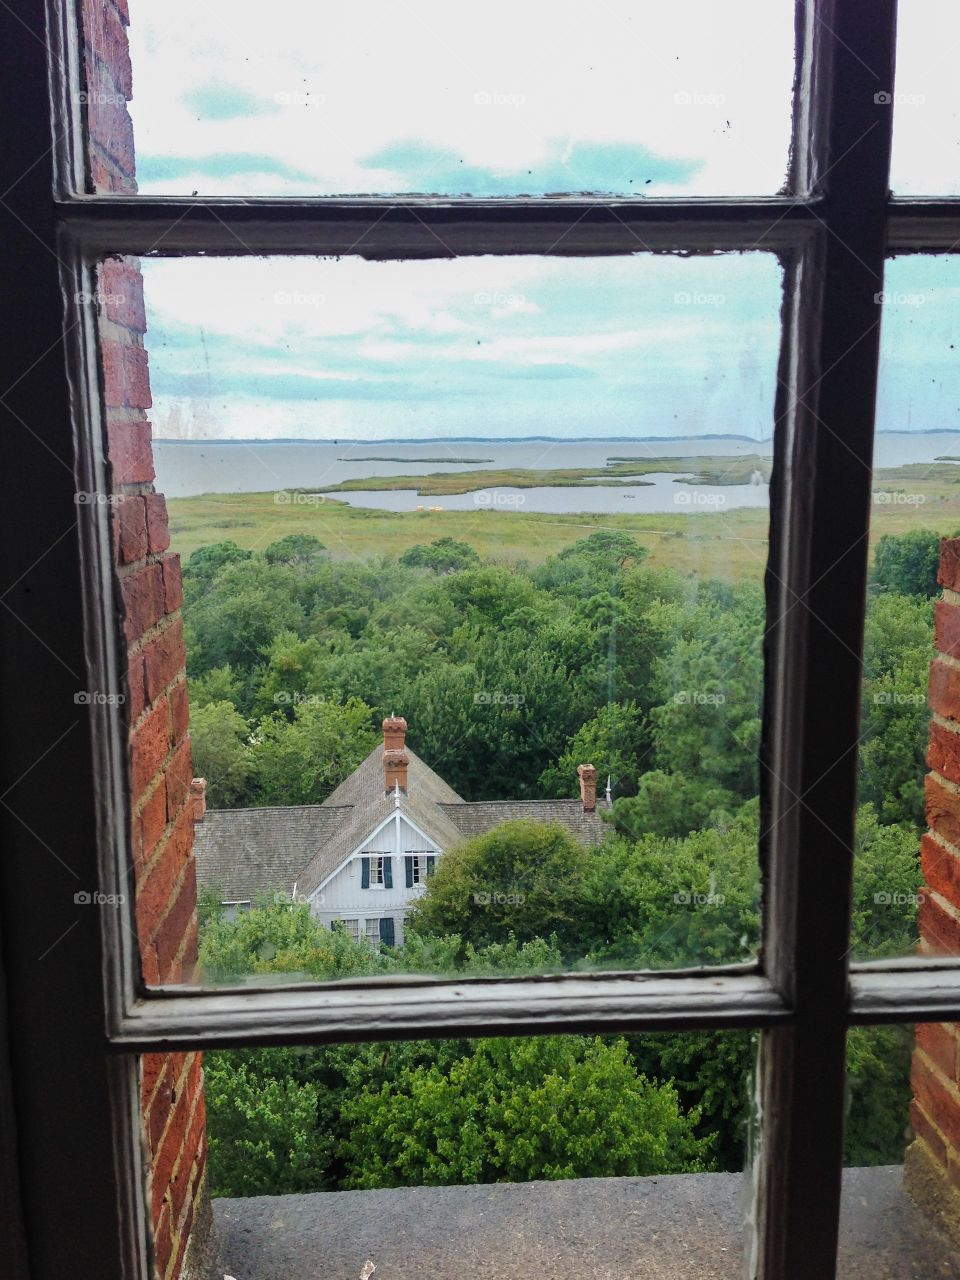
pixel 579 1155
pixel 901 899
pixel 418 98
pixel 926 130
pixel 898 1211
pixel 473 555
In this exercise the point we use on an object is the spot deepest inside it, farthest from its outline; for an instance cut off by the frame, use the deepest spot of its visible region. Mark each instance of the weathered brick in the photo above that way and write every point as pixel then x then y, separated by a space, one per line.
pixel 158 526
pixel 942 808
pixel 126 377
pixel 143 601
pixel 949 575
pixel 160 889
pixel 121 290
pixel 172 583
pixel 172 929
pixel 165 657
pixel 163 1241
pixel 941 869
pixel 135 678
pixel 130 449
pixel 938 1040
pixel 178 777
pixel 944 690
pixel 108 119
pixel 943 751
pixel 179 710
pixel 105 37
pixel 939 931
pixel 149 745
pixel 131 518
pixel 153 823
pixel 928 1133
pixel 937 1098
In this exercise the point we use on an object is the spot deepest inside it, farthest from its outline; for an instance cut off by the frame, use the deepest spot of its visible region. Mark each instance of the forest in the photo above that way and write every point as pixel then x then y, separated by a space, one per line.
pixel 509 676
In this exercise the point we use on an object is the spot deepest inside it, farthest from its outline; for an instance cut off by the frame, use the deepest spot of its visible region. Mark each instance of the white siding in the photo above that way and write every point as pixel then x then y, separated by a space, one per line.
pixel 343 898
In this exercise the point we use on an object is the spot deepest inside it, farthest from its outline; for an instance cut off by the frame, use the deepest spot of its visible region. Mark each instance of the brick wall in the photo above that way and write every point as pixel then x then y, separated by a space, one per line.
pixel 152 595
pixel 933 1159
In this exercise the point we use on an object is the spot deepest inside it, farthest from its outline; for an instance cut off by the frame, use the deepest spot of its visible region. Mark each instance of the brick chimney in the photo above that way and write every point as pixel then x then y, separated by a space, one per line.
pixel 395 758
pixel 588 787
pixel 198 798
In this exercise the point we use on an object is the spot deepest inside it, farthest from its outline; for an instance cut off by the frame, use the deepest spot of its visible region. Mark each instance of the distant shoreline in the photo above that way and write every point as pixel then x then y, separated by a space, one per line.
pixel 430 442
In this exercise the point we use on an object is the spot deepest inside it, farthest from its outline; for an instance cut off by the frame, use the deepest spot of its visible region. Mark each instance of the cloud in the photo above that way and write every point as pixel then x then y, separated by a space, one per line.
pixel 157 170
pixel 217 101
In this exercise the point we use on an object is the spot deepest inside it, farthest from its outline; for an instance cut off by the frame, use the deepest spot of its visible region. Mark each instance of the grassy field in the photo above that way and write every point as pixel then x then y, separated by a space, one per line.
pixel 725 545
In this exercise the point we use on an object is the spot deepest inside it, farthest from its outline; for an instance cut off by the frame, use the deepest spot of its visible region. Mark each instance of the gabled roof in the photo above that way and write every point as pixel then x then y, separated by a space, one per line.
pixel 478 817
pixel 366 782
pixel 245 852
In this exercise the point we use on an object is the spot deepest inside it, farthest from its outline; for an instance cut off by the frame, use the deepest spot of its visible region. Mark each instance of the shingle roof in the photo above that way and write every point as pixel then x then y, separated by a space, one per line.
pixel 477 817
pixel 246 852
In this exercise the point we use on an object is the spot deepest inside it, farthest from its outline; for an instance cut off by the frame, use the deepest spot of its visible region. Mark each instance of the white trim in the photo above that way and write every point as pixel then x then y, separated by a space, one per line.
pixel 359 850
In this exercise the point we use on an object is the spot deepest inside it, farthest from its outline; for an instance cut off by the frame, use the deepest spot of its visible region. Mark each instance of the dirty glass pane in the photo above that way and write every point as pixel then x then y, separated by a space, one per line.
pixel 926 119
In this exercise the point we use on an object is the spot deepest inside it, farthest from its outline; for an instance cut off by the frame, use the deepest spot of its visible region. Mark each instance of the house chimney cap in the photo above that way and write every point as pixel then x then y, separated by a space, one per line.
pixel 198 797
pixel 395 724
pixel 587 772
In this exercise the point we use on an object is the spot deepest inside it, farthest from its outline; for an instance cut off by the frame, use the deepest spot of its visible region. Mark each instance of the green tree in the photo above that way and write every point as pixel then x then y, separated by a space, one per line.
pixel 886 887
pixel 206 562
pixel 221 753
pixel 521 880
pixel 295 550
pixel 907 563
pixel 515 1110
pixel 300 761
pixel 443 555
pixel 613 741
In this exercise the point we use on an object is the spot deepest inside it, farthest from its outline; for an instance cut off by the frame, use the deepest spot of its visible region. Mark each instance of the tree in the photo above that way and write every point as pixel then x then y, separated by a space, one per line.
pixel 443 555
pixel 515 1110
pixel 206 562
pixel 886 887
pixel 907 563
pixel 221 753
pixel 300 761
pixel 613 740
pixel 295 550
pixel 521 880
pixel 234 618
pixel 671 804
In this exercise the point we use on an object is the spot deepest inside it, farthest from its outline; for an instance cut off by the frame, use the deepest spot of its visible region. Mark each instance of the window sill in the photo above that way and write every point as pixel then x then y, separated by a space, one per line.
pixel 662 1228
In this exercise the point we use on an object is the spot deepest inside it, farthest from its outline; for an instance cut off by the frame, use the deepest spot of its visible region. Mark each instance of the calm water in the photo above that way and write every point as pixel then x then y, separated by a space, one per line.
pixel 186 468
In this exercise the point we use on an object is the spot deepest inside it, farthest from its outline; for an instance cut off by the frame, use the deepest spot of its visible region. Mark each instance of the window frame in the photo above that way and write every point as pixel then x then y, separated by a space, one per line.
pixel 831 231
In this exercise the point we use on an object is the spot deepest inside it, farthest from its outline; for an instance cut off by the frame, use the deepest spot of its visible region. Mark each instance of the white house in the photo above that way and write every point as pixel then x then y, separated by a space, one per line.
pixel 364 854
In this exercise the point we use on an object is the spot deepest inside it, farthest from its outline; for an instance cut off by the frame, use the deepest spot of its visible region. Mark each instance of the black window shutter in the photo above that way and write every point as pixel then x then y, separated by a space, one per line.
pixel 388 934
pixel 364 873
pixel 409 861
pixel 388 873
pixel 431 863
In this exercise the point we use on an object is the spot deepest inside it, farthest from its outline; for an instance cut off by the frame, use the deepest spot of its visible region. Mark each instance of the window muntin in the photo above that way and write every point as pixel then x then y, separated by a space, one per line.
pixel 576 99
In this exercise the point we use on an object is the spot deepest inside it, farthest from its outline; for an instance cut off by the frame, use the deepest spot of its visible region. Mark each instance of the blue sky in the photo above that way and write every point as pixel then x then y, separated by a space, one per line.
pixel 618 97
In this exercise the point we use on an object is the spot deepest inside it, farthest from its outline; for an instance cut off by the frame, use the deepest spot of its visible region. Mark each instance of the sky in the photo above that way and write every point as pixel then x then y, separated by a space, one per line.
pixel 526 97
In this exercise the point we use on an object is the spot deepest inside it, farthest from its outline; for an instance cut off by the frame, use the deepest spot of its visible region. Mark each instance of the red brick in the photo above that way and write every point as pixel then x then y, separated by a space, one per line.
pixel 949 575
pixel 160 1106
pixel 149 745
pixel 178 777
pixel 153 824
pixel 182 1241
pixel 189 951
pixel 940 1103
pixel 143 601
pixel 123 11
pixel 104 35
pixel 149 963
pixel 944 693
pixel 108 119
pixel 172 583
pixel 179 710
pixel 121 288
pixel 938 929
pixel 173 928
pixel 105 176
pixel 158 526
pixel 160 890
pixel 126 378
pixel 943 751
pixel 939 1042
pixel 946 628
pixel 165 657
pixel 135 683
pixel 151 1069
pixel 130 449
pixel 928 1133
pixel 131 516
pixel 941 870
pixel 180 1143
pixel 942 808
pixel 162 1241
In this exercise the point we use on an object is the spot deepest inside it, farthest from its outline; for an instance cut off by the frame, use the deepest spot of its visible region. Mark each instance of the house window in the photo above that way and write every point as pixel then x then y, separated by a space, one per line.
pixel 419 866
pixel 351 924
pixel 376 871
pixel 830 228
